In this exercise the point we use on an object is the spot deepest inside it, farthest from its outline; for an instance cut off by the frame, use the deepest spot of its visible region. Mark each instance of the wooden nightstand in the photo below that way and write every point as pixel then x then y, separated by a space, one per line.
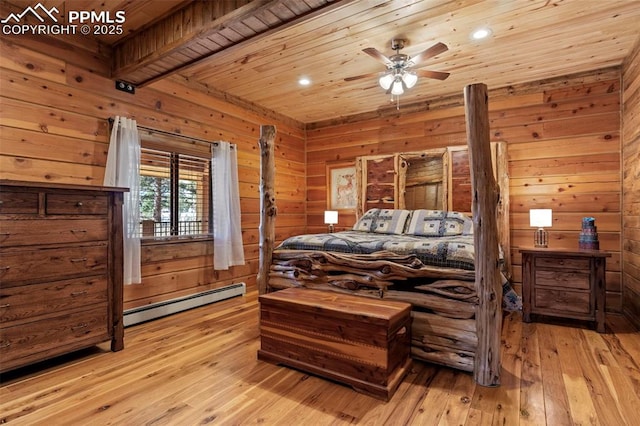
pixel 564 283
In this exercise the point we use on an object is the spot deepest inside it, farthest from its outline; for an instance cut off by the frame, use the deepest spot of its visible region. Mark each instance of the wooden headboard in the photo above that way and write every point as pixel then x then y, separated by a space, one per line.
pixel 383 181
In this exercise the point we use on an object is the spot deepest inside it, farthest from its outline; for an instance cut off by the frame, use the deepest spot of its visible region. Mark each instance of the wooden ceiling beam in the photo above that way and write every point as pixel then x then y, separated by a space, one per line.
pixel 216 25
pixel 171 34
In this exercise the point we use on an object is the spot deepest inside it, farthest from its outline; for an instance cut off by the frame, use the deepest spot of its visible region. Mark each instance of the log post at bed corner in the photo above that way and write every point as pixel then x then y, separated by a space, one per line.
pixel 485 197
pixel 268 208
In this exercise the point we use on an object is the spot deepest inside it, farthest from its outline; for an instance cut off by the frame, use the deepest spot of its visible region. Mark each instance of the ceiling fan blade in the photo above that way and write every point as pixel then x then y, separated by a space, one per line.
pixel 359 77
pixel 434 50
pixel 375 54
pixel 432 74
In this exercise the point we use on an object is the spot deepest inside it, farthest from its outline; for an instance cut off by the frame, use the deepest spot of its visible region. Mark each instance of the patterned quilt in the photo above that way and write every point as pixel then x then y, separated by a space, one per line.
pixel 448 252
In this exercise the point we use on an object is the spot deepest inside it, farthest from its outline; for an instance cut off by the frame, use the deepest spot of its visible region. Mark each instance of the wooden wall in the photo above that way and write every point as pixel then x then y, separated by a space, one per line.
pixel 54 128
pixel 563 139
pixel 631 186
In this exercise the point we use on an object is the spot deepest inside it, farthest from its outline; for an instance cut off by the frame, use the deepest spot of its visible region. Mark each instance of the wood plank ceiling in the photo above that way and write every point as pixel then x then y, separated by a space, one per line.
pixel 258 50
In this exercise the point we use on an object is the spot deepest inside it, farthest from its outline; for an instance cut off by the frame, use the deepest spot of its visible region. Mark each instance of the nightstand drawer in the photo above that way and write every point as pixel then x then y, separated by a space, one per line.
pixel 566 263
pixel 560 279
pixel 560 300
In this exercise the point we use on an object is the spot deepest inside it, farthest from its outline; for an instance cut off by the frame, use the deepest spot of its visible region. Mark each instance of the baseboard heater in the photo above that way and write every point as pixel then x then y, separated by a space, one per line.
pixel 179 304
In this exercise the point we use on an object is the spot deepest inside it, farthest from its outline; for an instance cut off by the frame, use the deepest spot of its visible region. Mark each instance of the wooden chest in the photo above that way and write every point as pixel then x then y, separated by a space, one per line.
pixel 60 270
pixel 360 341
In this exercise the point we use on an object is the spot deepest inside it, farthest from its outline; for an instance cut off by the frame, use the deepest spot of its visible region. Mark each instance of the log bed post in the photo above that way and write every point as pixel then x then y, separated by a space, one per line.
pixel 485 197
pixel 268 208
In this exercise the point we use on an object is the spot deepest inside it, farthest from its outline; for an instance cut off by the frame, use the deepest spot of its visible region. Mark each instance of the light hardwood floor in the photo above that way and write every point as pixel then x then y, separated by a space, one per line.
pixel 200 367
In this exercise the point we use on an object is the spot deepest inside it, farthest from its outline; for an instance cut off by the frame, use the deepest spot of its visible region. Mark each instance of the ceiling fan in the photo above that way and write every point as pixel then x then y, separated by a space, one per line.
pixel 399 75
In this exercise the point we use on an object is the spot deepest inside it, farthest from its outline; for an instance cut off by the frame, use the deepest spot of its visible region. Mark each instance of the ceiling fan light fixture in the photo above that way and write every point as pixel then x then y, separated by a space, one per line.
pixel 397 88
pixel 385 80
pixel 410 79
pixel 399 75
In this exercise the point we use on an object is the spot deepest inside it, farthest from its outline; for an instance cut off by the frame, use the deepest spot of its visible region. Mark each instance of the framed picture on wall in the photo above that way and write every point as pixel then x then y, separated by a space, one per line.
pixel 341 186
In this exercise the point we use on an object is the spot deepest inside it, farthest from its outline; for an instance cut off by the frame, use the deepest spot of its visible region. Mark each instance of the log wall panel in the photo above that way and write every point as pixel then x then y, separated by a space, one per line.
pixel 52 121
pixel 631 186
pixel 26 143
pixel 563 138
pixel 54 126
pixel 94 56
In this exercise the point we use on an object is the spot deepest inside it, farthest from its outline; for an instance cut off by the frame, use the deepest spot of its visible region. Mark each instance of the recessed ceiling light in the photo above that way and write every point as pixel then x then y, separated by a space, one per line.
pixel 481 33
pixel 304 81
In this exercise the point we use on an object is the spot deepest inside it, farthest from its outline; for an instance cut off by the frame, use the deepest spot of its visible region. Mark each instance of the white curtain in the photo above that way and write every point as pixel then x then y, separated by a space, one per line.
pixel 227 232
pixel 123 170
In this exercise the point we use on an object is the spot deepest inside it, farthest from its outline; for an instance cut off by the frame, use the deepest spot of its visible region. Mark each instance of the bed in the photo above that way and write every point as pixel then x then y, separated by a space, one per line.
pixel 456 309
pixel 423 257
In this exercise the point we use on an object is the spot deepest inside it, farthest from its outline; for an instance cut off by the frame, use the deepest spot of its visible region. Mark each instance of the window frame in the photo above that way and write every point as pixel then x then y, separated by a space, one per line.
pixel 175 145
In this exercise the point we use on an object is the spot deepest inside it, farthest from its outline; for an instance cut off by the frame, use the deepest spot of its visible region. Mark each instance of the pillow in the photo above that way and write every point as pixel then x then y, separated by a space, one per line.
pixel 366 221
pixel 438 223
pixel 383 221
pixel 390 221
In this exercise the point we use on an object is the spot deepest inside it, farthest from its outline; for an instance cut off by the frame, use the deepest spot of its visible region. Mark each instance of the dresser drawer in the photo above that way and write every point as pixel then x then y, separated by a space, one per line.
pixel 42 339
pixel 576 302
pixel 560 279
pixel 39 265
pixel 76 204
pixel 18 202
pixel 48 231
pixel 20 304
pixel 565 263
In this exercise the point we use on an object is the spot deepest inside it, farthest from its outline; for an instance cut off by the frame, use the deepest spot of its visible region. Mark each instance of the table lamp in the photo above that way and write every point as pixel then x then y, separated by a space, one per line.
pixel 330 218
pixel 540 218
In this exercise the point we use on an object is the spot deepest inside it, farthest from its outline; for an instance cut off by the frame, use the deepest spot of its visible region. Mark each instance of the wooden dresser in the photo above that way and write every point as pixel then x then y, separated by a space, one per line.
pixel 60 270
pixel 565 284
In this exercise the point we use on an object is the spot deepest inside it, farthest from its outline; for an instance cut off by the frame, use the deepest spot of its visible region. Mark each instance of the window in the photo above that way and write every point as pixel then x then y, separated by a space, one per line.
pixel 175 192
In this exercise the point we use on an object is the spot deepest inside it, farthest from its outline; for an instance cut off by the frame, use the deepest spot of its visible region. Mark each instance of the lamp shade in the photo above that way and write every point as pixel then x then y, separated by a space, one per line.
pixel 397 89
pixel 330 217
pixel 540 218
pixel 385 80
pixel 410 79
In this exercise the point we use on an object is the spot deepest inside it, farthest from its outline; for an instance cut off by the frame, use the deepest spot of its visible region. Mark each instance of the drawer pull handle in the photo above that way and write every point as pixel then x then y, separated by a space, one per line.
pixel 79 204
pixel 80 326
pixel 78 293
pixel 5 345
pixel 79 259
pixel 5 305
pixel 78 231
pixel 5 268
pixel 5 234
